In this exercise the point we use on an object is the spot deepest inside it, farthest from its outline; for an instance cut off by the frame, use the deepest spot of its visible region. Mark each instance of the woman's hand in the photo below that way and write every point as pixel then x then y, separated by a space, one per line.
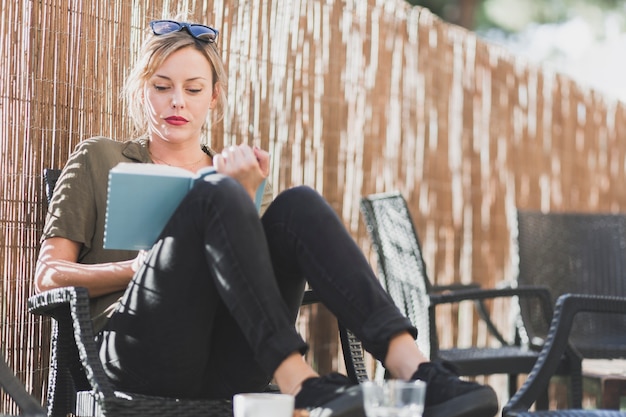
pixel 139 261
pixel 249 166
pixel 264 160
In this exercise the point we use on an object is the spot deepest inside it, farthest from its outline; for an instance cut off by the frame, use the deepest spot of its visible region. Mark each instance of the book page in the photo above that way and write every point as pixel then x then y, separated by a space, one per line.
pixel 151 169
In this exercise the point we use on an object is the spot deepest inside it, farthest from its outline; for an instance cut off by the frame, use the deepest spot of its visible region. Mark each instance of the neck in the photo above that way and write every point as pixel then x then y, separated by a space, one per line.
pixel 190 157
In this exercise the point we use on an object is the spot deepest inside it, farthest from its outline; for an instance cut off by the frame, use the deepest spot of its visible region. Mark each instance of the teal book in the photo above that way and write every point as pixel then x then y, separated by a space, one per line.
pixel 142 198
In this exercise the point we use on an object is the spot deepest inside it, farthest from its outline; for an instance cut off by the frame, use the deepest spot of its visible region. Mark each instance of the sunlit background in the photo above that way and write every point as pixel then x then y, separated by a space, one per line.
pixel 351 97
pixel 585 39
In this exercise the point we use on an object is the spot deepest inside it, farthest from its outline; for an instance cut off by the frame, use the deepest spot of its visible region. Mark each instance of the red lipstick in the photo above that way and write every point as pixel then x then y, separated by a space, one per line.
pixel 176 120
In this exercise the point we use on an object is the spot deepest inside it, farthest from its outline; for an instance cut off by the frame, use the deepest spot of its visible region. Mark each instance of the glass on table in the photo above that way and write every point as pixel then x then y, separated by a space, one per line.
pixel 394 398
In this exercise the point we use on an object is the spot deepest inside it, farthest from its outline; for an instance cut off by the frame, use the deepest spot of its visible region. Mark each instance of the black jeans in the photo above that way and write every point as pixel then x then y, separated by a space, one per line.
pixel 212 311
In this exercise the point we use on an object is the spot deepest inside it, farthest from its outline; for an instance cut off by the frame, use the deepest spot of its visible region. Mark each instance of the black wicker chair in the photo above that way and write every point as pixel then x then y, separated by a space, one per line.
pixel 77 382
pixel 403 274
pixel 571 311
pixel 583 253
pixel 29 407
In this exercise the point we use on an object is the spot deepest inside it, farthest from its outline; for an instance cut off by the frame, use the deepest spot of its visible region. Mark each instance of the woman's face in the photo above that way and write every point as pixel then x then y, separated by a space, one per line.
pixel 179 96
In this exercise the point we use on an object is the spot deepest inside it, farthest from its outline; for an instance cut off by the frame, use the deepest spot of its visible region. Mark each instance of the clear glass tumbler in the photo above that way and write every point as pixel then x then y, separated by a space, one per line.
pixel 394 398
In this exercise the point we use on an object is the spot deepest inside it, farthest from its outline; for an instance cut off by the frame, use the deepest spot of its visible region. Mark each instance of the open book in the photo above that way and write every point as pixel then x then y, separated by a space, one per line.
pixel 141 199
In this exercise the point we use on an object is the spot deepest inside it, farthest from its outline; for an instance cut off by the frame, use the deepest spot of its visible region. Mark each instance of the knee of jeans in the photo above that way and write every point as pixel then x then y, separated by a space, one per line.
pixel 300 194
pixel 220 187
pixel 306 199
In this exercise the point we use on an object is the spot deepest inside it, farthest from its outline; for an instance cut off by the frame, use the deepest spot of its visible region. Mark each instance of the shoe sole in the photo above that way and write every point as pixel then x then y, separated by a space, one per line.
pixel 348 404
pixel 478 403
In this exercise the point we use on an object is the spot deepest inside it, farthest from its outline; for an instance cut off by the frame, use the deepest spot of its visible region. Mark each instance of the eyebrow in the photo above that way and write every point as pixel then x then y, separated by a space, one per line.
pixel 189 79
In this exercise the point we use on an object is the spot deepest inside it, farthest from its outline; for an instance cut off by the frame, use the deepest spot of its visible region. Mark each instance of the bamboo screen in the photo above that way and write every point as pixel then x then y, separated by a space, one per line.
pixel 351 97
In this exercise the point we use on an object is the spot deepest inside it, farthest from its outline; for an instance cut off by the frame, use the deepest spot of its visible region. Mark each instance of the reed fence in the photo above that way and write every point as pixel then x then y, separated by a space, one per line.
pixel 351 97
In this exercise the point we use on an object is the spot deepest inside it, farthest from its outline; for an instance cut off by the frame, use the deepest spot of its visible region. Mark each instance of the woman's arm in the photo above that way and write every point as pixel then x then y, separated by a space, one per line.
pixel 57 266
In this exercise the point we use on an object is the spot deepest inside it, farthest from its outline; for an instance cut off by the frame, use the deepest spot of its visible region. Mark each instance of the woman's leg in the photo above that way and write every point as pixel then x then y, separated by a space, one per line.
pixel 204 316
pixel 306 238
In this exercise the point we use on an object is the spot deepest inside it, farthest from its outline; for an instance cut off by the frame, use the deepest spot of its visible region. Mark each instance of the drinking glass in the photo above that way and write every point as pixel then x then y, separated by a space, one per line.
pixel 394 398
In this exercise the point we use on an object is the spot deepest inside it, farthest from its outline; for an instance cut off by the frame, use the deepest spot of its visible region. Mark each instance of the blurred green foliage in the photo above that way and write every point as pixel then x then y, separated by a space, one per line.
pixel 481 15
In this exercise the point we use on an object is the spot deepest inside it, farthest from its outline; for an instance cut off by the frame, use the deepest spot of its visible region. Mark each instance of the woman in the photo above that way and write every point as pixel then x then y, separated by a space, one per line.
pixel 214 302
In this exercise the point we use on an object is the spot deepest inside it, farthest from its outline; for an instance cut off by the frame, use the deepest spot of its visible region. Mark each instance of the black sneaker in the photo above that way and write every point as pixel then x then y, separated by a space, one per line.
pixel 330 395
pixel 449 396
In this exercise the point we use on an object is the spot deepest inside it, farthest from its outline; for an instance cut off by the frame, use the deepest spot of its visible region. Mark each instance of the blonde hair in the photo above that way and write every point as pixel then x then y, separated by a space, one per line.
pixel 154 51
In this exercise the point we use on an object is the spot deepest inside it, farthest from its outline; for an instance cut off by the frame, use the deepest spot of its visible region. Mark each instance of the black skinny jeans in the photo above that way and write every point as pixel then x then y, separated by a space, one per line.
pixel 212 311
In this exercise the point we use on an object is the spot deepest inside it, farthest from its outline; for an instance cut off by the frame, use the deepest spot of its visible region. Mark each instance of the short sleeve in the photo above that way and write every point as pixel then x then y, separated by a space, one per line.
pixel 72 212
pixel 77 210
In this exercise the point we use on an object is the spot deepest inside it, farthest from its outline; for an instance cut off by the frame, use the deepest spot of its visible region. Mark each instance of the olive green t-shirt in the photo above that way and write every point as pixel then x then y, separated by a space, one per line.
pixel 77 208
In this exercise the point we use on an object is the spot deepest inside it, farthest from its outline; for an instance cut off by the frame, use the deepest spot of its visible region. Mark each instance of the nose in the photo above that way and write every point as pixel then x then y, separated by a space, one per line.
pixel 178 100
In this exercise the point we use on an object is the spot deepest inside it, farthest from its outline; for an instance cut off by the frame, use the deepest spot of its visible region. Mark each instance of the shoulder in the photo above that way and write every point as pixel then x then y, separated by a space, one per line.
pixel 100 148
pixel 97 142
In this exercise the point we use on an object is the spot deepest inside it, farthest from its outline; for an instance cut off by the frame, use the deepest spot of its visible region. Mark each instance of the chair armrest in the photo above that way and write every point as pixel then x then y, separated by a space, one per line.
pixel 47 302
pixel 479 294
pixel 557 344
pixel 69 307
pixel 454 287
pixel 480 306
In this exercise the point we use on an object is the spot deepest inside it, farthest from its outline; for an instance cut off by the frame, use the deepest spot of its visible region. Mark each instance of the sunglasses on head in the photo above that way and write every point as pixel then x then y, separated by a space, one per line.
pixel 200 32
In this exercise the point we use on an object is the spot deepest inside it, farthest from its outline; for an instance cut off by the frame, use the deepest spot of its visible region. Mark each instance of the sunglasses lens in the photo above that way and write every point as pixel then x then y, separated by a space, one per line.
pixel 201 32
pixel 204 33
pixel 162 27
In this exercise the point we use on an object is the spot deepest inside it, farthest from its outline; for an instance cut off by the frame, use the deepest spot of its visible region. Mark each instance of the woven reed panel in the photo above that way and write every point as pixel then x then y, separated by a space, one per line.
pixel 350 97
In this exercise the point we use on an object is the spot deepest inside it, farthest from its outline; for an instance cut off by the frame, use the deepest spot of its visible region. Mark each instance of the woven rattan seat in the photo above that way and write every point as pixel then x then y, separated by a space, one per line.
pixel 77 382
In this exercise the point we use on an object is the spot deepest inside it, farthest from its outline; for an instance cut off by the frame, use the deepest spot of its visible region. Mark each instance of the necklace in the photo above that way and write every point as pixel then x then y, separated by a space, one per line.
pixel 178 166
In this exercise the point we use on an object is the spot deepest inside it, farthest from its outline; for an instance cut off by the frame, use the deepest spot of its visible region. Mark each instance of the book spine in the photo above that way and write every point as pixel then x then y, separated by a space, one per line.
pixel 106 212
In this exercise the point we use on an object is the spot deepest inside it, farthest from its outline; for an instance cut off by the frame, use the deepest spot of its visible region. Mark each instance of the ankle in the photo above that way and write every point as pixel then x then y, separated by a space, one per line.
pixel 292 372
pixel 403 356
pixel 295 390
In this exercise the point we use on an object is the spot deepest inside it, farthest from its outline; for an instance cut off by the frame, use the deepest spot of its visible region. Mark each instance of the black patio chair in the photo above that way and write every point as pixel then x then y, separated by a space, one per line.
pixel 571 311
pixel 77 382
pixel 582 253
pixel 403 274
pixel 10 384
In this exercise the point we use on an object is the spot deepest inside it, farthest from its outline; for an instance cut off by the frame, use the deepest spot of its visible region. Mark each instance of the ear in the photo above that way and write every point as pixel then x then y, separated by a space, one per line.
pixel 215 97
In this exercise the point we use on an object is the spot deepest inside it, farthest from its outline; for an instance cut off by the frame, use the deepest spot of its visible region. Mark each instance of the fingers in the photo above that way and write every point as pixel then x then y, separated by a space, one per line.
pixel 248 166
pixel 238 158
pixel 218 162
pixel 264 160
pixel 138 262
pixel 227 161
pixel 240 155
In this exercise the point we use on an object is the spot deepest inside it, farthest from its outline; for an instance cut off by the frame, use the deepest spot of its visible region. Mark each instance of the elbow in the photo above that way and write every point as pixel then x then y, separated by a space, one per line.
pixel 44 279
pixel 38 281
pixel 40 285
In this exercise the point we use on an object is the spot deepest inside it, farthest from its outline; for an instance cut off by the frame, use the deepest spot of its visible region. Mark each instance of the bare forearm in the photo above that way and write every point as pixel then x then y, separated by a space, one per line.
pixel 99 279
